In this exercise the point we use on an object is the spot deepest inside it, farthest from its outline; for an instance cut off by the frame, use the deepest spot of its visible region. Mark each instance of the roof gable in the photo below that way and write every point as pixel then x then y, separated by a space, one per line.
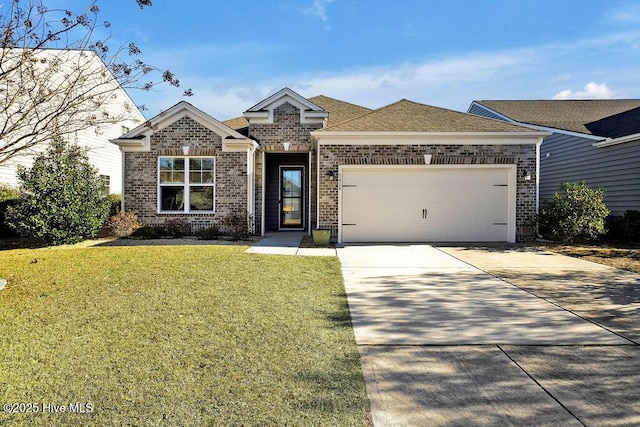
pixel 262 112
pixel 339 111
pixel 138 138
pixel 177 112
pixel 567 115
pixel 409 116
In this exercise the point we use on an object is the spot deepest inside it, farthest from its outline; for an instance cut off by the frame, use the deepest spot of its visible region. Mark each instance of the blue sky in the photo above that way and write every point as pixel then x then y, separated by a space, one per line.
pixel 447 53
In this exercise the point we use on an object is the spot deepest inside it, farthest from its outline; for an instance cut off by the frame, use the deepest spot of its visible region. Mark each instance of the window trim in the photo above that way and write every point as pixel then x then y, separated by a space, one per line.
pixel 186 185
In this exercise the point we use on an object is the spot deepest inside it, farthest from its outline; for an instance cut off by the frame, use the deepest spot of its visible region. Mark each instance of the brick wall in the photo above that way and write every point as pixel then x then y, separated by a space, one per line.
pixel 524 156
pixel 287 128
pixel 141 172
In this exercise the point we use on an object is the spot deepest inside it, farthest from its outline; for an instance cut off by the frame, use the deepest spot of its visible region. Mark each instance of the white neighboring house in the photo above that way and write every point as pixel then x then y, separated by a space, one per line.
pixel 104 96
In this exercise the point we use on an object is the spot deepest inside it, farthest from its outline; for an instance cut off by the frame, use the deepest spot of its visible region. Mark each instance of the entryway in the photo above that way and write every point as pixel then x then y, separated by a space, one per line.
pixel 286 191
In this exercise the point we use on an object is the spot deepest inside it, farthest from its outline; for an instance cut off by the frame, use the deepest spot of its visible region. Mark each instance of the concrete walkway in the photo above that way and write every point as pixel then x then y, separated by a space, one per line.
pixel 287 243
pixel 443 342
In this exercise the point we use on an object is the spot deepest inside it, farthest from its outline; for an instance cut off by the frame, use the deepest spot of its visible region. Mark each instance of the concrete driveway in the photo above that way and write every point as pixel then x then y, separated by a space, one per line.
pixel 443 342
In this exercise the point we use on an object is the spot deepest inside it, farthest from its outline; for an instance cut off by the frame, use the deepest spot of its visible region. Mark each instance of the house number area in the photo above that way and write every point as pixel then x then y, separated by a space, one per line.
pixel 48 408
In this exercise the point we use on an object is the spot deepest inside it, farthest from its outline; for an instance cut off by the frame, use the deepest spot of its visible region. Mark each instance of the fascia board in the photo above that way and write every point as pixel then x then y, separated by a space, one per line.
pixel 177 112
pixel 615 141
pixel 130 145
pixel 407 138
pixel 533 126
pixel 238 145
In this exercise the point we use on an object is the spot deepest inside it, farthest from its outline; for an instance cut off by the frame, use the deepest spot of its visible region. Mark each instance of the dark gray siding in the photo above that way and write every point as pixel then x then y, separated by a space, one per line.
pixel 573 159
pixel 481 111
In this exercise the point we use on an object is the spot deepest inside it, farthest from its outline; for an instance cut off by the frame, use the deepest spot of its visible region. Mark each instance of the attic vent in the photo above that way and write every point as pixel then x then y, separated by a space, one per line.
pixel 469 160
pixel 192 152
pixel 382 161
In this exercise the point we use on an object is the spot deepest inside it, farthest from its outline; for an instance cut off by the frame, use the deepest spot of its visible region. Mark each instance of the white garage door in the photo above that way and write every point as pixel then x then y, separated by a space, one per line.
pixel 427 204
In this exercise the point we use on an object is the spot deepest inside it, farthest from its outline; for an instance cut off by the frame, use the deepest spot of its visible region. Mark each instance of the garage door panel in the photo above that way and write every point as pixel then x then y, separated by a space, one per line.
pixel 405 205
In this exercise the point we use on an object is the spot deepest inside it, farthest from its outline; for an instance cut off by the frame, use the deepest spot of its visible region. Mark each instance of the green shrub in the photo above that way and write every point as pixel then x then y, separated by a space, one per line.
pixel 61 197
pixel 176 227
pixel 626 227
pixel 147 232
pixel 124 223
pixel 115 202
pixel 575 210
pixel 209 233
pixel 8 196
pixel 236 225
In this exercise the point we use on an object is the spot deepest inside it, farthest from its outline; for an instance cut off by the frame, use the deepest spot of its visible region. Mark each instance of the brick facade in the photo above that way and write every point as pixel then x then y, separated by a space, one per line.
pixel 141 168
pixel 286 128
pixel 524 156
pixel 141 173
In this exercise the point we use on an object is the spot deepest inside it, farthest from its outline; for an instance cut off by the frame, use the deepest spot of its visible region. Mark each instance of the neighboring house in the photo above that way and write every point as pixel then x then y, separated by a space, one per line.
pixel 593 140
pixel 104 97
pixel 404 172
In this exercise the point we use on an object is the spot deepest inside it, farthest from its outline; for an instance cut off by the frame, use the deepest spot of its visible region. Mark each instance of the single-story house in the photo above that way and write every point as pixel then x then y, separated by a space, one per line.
pixel 404 172
pixel 593 140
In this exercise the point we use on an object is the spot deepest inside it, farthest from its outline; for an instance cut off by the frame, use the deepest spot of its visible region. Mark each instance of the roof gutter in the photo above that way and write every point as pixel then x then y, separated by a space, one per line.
pixel 615 141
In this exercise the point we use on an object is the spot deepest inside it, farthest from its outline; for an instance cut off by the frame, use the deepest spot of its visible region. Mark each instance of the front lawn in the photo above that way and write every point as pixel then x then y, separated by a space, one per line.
pixel 176 335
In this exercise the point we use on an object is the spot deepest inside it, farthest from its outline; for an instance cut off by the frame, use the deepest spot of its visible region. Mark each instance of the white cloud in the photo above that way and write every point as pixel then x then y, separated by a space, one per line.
pixel 318 9
pixel 591 91
pixel 626 13
pixel 530 72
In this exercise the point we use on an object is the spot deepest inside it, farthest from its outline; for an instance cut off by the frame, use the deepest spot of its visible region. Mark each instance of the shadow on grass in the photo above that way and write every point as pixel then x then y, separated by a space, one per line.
pixel 9 243
pixel 340 317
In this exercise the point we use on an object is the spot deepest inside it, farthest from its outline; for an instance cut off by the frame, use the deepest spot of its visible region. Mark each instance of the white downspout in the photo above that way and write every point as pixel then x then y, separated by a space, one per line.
pixel 262 231
pixel 538 145
pixel 309 196
pixel 318 184
pixel 251 197
pixel 122 153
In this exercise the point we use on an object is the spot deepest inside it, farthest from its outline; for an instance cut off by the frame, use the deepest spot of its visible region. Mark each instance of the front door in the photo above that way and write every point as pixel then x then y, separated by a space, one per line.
pixel 292 197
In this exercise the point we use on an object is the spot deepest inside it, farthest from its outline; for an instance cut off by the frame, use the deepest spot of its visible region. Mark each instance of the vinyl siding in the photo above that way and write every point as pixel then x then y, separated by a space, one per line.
pixel 481 111
pixel 103 155
pixel 573 159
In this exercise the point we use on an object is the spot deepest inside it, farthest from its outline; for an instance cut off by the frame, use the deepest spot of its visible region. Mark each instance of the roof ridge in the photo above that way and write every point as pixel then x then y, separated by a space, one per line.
pixel 339 100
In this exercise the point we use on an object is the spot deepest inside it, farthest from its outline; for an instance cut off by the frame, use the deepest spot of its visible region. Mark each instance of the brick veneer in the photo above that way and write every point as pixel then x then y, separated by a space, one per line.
pixel 140 168
pixel 286 128
pixel 141 172
pixel 524 156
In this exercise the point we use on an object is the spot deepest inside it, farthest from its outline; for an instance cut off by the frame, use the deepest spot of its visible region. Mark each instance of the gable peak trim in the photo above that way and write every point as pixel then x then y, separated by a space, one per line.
pixel 262 112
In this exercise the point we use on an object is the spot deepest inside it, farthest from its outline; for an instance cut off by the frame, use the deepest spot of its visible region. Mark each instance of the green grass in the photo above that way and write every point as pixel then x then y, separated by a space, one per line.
pixel 177 335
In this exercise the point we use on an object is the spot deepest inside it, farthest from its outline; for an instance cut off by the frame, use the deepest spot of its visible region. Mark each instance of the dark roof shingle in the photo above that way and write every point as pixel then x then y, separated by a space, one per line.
pixel 409 116
pixel 570 115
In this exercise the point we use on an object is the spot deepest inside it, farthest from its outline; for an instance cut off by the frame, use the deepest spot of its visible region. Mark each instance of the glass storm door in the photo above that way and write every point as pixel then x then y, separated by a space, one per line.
pixel 291 197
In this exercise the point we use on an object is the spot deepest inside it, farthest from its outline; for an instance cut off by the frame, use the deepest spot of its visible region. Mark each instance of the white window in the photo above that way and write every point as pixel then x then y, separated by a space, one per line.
pixel 186 184
pixel 106 184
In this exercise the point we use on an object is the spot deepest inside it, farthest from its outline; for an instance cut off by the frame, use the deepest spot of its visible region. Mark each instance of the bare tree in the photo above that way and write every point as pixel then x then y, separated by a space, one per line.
pixel 59 74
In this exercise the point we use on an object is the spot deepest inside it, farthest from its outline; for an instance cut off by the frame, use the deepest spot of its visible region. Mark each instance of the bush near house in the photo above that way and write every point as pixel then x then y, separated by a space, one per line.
pixel 123 224
pixel 209 233
pixel 626 227
pixel 576 210
pixel 236 225
pixel 115 201
pixel 60 198
pixel 8 196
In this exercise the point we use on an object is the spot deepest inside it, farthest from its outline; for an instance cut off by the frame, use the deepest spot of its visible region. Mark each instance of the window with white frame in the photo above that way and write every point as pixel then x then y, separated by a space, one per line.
pixel 186 184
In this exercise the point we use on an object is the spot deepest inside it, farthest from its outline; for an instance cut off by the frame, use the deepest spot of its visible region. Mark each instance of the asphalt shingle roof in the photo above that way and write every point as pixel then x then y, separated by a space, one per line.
pixel 237 123
pixel 409 116
pixel 339 111
pixel 570 115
